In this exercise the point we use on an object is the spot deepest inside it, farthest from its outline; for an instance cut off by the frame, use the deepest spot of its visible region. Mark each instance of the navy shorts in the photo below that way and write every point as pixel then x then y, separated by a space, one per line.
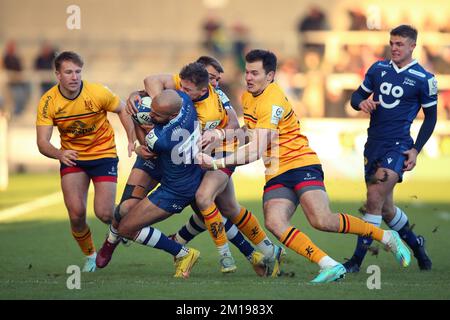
pixel 384 154
pixel 295 182
pixel 149 166
pixel 104 169
pixel 170 201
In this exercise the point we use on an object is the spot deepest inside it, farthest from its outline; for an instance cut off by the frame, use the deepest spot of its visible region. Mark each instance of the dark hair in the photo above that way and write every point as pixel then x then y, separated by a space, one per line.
pixel 269 60
pixel 210 61
pixel 68 56
pixel 405 31
pixel 196 73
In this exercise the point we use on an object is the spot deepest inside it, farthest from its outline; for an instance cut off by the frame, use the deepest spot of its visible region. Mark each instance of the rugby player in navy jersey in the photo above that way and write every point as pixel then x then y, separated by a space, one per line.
pixel 173 139
pixel 392 93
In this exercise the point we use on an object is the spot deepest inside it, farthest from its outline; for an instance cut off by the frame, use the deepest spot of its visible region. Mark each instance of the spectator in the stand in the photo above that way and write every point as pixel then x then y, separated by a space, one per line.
pixel 44 64
pixel 19 88
pixel 315 20
pixel 213 35
pixel 313 94
pixel 358 20
pixel 240 44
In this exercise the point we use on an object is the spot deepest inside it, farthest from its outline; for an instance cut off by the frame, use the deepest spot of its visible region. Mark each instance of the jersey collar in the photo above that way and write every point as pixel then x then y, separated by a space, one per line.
pixel 81 89
pixel 203 97
pixel 398 70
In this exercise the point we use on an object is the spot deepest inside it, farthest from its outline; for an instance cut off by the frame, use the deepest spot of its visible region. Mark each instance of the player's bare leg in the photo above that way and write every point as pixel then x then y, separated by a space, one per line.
pixel 315 205
pixel 213 183
pixel 248 224
pixel 138 185
pixel 278 214
pixel 75 188
pixel 397 220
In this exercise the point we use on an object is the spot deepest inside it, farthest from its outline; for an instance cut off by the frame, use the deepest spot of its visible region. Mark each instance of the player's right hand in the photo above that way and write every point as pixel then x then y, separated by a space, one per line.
pixel 368 105
pixel 68 157
pixel 132 99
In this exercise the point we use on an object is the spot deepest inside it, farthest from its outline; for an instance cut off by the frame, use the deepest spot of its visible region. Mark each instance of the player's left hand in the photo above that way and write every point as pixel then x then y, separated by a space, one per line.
pixel 411 158
pixel 205 161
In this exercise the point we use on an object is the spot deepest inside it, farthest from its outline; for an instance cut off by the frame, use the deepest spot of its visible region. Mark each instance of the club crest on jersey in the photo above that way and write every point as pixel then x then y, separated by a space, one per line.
pixel 387 89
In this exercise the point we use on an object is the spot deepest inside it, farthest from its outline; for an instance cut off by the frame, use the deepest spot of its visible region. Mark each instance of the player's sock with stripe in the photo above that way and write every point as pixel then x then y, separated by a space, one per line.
pixel 236 238
pixel 84 240
pixel 250 227
pixel 354 225
pixel 152 237
pixel 364 243
pixel 113 235
pixel 190 230
pixel 400 224
pixel 215 227
pixel 299 242
pixel 195 226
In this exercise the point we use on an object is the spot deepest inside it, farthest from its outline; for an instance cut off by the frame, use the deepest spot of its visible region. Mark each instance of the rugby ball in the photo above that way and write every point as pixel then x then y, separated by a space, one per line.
pixel 143 114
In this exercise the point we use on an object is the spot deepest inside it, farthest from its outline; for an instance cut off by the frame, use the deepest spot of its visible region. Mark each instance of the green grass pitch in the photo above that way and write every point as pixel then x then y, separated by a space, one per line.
pixel 36 248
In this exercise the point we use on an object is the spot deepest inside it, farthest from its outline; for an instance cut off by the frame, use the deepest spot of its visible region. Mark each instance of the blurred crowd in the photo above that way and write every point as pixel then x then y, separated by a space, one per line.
pixel 318 79
pixel 319 85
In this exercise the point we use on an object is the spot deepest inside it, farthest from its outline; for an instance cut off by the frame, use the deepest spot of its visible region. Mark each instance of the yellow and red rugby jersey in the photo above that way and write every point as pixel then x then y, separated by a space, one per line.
pixel 272 110
pixel 82 122
pixel 210 111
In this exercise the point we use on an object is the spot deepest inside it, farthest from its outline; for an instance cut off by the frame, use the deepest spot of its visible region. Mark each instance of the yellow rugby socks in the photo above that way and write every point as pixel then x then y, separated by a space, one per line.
pixel 249 225
pixel 84 239
pixel 214 224
pixel 300 243
pixel 354 225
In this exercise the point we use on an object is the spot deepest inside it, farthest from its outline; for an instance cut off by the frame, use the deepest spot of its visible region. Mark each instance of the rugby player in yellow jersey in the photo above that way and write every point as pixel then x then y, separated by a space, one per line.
pixel 88 151
pixel 293 171
pixel 193 80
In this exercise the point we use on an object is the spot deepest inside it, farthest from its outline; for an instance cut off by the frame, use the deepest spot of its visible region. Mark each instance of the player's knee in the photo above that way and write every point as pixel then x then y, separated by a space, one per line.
pixel 126 206
pixel 104 215
pixel 275 226
pixel 203 200
pixel 321 222
pixel 78 222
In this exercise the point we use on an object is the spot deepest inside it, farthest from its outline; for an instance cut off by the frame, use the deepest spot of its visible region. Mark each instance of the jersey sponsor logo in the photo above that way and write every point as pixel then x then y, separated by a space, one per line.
pixel 409 82
pixel 212 124
pixel 381 64
pixel 277 114
pixel 45 108
pixel 432 85
pixel 417 73
pixel 79 128
pixel 150 139
pixel 387 89
pixel 223 96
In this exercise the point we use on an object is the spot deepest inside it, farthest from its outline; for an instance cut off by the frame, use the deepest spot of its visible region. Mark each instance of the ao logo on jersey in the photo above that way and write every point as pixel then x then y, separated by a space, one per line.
pixel 387 89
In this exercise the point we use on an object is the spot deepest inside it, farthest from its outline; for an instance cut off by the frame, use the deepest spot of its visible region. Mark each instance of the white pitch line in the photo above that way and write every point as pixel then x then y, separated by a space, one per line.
pixel 39 203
